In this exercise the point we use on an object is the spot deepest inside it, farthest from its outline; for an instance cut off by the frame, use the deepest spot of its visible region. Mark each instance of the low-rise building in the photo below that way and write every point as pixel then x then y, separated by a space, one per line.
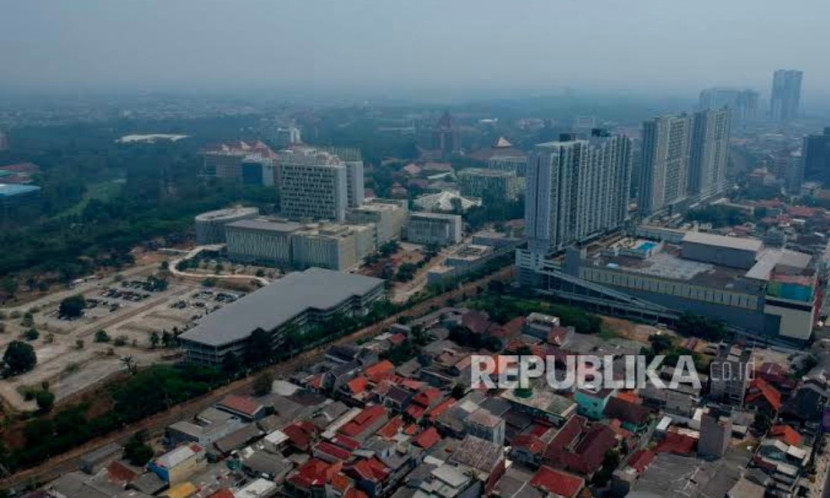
pixel 489 183
pixel 301 299
pixel 387 216
pixel 178 464
pixel 434 228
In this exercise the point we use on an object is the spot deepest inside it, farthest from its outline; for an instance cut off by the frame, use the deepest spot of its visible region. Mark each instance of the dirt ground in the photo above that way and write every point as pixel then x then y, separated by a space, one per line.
pixel 634 331
pixel 70 359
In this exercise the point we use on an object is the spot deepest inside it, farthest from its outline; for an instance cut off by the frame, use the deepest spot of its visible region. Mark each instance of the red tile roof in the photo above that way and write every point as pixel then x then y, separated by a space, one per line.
pixel 557 482
pixel 679 444
pixel 300 434
pixel 371 469
pixel 477 321
pixel 118 472
pixel 427 397
pixel 333 451
pixel 391 428
pixel 415 411
pixel 511 328
pixel 626 411
pixel 314 473
pixel 580 445
pixel 427 439
pixel 363 420
pixel 378 371
pixel 529 442
pixel 640 459
pixel 440 408
pixel 760 389
pixel 358 385
pixel 785 433
pixel 241 404
pixel 221 493
pixel 397 339
pixel 345 442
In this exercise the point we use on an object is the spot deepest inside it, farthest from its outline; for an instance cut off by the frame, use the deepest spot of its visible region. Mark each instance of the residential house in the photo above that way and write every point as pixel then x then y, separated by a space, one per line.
pixel 484 457
pixel 244 407
pixel 178 464
pixel 634 417
pixel 591 402
pixel 557 483
pixel 580 446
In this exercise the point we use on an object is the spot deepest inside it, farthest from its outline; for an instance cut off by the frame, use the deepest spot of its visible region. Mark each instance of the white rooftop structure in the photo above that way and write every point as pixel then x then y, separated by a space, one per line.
pixel 443 201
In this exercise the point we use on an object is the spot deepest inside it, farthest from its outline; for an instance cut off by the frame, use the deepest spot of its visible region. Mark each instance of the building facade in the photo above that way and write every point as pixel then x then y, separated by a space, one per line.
pixel 261 241
pixel 742 103
pixel 299 300
pixel 287 244
pixel 388 217
pixel 664 167
pixel 434 228
pixel 314 188
pixel 817 158
pixel 576 189
pixel 211 226
pixel 786 95
pixel 710 153
pixel 488 183
pixel 764 292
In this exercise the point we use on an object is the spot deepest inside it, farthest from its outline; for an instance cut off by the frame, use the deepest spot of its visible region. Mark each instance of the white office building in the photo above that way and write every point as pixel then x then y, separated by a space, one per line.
pixel 434 228
pixel 313 185
pixel 664 168
pixel 710 153
pixel 576 189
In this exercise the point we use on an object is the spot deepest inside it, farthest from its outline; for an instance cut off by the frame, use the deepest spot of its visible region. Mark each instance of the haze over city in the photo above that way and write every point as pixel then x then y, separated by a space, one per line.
pixel 414 249
pixel 425 47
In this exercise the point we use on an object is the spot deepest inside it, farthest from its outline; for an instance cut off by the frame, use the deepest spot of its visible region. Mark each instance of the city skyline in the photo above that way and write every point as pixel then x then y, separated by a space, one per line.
pixel 369 47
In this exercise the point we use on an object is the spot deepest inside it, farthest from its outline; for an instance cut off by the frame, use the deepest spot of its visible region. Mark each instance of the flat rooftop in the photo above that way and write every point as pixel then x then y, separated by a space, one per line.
pixel 277 303
pixel 227 213
pixel 711 239
pixel 669 265
pixel 267 225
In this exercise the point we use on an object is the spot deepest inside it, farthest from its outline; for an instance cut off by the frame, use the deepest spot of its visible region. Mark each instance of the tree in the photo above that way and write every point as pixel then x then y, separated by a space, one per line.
pixel 9 286
pixel 72 307
pixel 102 336
pixel 262 384
pixel 31 335
pixel 19 357
pixel 167 339
pixel 458 391
pixel 45 400
pixel 154 339
pixel 136 451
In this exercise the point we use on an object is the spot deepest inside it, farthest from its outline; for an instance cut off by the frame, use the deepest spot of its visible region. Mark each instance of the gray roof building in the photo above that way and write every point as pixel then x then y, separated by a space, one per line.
pixel 298 298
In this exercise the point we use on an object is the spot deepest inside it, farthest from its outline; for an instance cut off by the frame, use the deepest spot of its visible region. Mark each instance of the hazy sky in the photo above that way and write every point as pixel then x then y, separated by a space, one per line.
pixel 671 46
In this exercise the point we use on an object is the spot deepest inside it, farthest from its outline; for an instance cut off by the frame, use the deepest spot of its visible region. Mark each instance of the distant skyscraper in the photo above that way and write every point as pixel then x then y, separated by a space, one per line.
pixel 742 103
pixel 710 152
pixel 817 158
pixel 576 189
pixel 446 137
pixel 786 94
pixel 664 168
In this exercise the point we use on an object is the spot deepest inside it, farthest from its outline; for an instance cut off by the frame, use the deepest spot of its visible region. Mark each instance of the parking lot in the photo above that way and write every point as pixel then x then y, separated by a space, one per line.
pixel 74 354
